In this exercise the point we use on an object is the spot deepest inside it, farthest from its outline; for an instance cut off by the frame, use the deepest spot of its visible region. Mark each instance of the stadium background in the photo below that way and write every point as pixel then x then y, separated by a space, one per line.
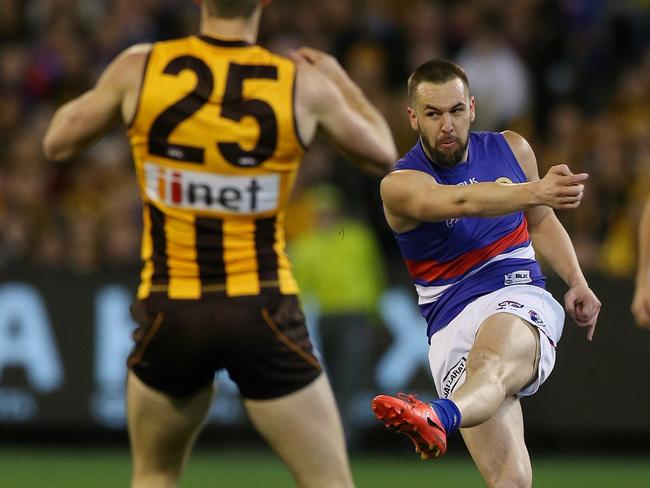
pixel 572 76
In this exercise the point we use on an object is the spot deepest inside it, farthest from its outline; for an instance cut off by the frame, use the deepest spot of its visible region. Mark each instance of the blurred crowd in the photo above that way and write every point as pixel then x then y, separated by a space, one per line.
pixel 570 75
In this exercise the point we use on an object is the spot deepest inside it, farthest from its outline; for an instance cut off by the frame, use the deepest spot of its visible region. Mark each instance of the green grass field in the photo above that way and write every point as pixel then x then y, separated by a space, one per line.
pixel 89 468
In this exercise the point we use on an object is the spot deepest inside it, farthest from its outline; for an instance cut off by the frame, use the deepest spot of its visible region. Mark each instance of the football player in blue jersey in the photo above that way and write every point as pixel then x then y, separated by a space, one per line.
pixel 465 208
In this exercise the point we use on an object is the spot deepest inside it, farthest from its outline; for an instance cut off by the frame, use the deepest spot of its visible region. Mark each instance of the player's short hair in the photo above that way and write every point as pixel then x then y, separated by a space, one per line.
pixel 436 71
pixel 231 9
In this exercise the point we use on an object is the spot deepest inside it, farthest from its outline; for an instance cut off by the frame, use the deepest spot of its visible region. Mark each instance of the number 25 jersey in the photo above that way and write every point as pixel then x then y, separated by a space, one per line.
pixel 216 154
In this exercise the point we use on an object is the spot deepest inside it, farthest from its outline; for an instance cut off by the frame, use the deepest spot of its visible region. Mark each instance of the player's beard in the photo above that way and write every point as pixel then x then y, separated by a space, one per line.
pixel 444 158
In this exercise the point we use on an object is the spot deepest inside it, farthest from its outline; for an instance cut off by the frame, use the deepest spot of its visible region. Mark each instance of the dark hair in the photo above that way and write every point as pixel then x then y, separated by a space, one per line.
pixel 436 71
pixel 231 9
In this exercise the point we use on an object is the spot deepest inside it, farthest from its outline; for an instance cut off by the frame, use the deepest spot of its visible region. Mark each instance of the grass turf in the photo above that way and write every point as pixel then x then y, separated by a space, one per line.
pixel 108 468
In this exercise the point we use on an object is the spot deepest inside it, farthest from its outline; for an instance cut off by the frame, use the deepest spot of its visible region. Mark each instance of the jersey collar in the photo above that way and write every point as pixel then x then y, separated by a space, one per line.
pixel 224 42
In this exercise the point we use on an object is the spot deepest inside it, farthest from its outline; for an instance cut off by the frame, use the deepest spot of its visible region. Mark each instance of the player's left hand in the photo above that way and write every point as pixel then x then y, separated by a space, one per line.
pixel 583 307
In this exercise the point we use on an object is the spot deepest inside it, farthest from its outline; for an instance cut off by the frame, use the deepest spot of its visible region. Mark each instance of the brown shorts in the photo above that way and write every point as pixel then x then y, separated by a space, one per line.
pixel 262 342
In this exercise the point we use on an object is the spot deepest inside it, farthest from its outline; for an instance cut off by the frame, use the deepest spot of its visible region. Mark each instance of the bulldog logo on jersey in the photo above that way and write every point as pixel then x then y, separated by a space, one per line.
pixel 503 180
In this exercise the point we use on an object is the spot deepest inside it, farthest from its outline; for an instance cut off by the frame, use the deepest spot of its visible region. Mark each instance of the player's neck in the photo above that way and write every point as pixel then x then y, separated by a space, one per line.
pixel 231 29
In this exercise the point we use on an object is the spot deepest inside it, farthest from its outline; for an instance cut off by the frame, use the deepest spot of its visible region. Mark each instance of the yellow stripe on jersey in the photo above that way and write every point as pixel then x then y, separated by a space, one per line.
pixel 216 153
pixel 239 243
pixel 147 251
pixel 288 285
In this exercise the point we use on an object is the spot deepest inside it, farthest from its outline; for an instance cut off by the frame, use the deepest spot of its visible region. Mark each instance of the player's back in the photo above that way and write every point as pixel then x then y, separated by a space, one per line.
pixel 216 152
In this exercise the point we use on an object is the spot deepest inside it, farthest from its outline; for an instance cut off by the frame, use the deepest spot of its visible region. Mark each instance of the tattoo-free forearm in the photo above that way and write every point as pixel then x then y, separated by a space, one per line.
pixel 491 199
pixel 552 241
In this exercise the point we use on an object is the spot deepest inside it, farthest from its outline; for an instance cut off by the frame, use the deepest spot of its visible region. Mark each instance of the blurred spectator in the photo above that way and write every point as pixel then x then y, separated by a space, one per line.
pixel 499 79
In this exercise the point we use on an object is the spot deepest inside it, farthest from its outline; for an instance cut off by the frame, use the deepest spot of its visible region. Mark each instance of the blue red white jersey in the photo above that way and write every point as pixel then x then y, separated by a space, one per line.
pixel 456 261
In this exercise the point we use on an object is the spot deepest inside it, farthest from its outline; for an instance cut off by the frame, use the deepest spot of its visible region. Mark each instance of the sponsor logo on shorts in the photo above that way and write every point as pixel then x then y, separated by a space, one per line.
pixel 509 304
pixel 536 318
pixel 199 190
pixel 517 277
pixel 450 380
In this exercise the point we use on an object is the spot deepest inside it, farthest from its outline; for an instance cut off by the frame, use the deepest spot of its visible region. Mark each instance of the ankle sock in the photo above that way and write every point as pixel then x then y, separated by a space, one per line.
pixel 448 414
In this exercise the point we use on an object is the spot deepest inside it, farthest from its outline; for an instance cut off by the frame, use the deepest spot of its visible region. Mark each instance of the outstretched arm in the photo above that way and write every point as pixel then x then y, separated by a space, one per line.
pixel 552 241
pixel 83 120
pixel 641 301
pixel 331 101
pixel 412 196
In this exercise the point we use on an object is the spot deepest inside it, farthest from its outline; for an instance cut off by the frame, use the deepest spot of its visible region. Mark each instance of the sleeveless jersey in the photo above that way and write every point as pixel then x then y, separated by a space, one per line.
pixel 454 262
pixel 216 154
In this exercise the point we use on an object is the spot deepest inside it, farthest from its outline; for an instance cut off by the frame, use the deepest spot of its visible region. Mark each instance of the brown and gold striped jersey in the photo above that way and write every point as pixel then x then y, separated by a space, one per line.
pixel 216 154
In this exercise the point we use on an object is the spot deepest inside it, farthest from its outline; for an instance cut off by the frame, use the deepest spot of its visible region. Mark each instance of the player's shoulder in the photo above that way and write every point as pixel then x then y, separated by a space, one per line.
pixel 518 144
pixel 522 151
pixel 513 137
pixel 138 49
pixel 132 59
pixel 125 71
pixel 134 54
pixel 412 166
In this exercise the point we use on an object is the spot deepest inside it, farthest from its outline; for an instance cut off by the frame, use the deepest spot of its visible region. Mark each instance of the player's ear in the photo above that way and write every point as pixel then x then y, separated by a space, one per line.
pixel 413 118
pixel 472 109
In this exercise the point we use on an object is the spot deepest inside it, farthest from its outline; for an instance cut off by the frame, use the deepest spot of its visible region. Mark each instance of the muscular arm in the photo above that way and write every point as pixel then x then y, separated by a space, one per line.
pixel 330 101
pixel 83 120
pixel 553 242
pixel 411 197
pixel 548 234
pixel 415 196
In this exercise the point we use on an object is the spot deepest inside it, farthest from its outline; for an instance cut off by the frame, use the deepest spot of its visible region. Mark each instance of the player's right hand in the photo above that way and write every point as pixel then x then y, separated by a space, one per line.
pixel 560 188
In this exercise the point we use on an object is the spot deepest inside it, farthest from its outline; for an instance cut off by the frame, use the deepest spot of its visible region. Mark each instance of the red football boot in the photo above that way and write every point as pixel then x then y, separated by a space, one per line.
pixel 416 419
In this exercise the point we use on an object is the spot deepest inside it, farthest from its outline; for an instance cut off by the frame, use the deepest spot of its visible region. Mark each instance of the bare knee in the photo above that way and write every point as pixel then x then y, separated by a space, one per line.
pixel 487 364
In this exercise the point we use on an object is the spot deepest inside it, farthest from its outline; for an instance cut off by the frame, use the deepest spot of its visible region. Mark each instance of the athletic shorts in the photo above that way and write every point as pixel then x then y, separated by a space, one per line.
pixel 450 345
pixel 261 341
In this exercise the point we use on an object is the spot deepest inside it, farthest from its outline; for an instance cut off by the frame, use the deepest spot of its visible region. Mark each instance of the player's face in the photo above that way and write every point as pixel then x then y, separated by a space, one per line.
pixel 442 114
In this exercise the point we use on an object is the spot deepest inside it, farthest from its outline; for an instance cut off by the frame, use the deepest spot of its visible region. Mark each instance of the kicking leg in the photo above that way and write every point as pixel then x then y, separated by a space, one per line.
pixel 501 362
pixel 162 431
pixel 305 430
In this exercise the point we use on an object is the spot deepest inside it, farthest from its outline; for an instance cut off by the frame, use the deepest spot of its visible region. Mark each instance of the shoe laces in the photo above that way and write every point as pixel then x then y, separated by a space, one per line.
pixel 409 398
